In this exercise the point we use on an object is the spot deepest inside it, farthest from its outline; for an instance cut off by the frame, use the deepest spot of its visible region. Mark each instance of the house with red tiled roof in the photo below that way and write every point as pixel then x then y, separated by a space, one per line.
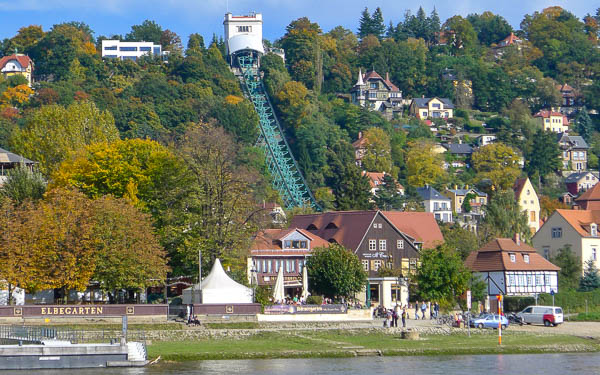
pixel 590 200
pixel 513 268
pixel 360 148
pixel 377 94
pixel 380 239
pixel 17 64
pixel 511 40
pixel 577 229
pixel 571 99
pixel 553 121
pixel 287 248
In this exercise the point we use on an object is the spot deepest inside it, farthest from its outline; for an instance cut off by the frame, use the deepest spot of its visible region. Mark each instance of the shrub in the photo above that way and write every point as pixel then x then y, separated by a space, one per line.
pixel 314 300
pixel 517 303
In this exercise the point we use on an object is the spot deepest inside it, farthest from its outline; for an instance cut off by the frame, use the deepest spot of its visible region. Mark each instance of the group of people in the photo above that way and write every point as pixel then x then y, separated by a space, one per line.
pixel 434 309
pixel 296 300
pixel 393 315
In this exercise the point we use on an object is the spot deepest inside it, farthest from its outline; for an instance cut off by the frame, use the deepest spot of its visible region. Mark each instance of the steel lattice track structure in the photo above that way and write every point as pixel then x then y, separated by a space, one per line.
pixel 285 173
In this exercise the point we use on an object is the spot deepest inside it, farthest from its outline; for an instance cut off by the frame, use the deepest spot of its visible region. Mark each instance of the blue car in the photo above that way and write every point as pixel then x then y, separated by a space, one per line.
pixel 489 321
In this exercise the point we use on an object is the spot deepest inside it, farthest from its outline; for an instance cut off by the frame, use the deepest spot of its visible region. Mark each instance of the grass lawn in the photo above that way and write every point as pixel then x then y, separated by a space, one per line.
pixel 589 317
pixel 290 344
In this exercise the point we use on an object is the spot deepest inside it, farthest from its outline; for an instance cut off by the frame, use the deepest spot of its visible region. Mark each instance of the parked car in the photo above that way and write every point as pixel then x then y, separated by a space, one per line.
pixel 490 321
pixel 546 315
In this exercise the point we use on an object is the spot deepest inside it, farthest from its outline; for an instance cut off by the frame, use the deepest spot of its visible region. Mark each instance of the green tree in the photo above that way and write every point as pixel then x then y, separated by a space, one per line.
pixel 423 167
pixel 353 190
pixel 497 162
pixel 335 272
pixel 543 157
pixel 583 124
pixel 442 275
pixel 490 27
pixel 388 197
pixel 377 23
pixel 464 36
pixel 148 31
pixel 195 44
pixel 570 267
pixel 377 156
pixel 504 218
pixel 459 239
pixel 302 52
pixel 466 206
pixel 590 280
pixel 365 26
pixel 23 184
pixel 52 132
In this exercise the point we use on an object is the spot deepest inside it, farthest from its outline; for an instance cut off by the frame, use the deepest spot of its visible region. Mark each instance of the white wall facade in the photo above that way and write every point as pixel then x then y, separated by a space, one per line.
pixel 441 209
pixel 243 31
pixel 529 202
pixel 129 50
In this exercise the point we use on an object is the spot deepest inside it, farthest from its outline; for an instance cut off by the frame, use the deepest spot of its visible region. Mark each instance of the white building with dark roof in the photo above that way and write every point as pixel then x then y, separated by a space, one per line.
pixel 436 203
pixel 117 49
pixel 428 108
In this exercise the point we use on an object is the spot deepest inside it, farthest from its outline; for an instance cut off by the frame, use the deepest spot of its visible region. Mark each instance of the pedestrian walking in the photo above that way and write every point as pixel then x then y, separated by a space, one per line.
pixel 404 314
pixel 416 310
pixel 396 315
pixel 437 309
pixel 388 318
pixel 431 310
pixel 423 309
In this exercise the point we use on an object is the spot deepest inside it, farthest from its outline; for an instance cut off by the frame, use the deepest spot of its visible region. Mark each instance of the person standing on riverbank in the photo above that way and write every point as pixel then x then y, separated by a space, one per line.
pixel 416 310
pixel 423 309
pixel 396 315
pixel 404 314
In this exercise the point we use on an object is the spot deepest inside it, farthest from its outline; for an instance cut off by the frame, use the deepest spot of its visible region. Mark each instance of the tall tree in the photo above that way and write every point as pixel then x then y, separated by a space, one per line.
pixel 23 184
pixel 498 163
pixel 543 157
pixel 423 167
pixel 52 132
pixel 570 267
pixel 148 31
pixel 335 272
pixel 377 156
pixel 504 218
pixel 583 124
pixel 388 197
pixel 378 24
pixel 442 275
pixel 353 190
pixel 490 27
pixel 365 24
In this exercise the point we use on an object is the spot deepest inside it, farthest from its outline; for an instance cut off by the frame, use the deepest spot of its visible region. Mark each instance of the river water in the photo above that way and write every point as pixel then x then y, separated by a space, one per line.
pixel 514 364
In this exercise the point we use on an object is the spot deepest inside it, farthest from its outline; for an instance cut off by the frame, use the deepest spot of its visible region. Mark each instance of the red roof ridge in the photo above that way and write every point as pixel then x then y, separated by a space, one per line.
pixel 23 60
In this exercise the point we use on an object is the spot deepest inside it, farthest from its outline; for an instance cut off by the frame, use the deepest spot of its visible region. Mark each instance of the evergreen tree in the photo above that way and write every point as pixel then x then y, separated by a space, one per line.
pixel 387 197
pixel 365 26
pixel 584 125
pixel 590 279
pixel 353 190
pixel 434 26
pixel 570 267
pixel 377 24
pixel 504 218
pixel 544 155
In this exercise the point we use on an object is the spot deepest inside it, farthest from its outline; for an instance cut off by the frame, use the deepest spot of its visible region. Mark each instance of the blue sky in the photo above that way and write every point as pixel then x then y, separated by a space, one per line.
pixel 206 16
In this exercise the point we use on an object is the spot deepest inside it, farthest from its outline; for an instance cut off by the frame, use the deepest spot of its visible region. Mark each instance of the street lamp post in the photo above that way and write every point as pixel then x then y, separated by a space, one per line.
pixel 253 273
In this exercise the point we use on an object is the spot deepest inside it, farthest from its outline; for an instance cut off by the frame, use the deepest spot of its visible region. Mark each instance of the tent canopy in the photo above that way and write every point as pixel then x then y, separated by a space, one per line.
pixel 217 287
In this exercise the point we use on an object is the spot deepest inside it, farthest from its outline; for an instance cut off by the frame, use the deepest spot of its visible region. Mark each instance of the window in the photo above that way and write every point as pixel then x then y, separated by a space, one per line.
pixel 526 258
pixel 594 230
pixel 300 265
pixel 529 280
pixel 365 264
pixel 145 49
pixel 292 266
pixel 157 50
pixel 539 280
pixel 373 95
pixel 287 266
pixel 400 244
pixel 128 49
pixel 110 48
pixel 556 232
pixel 373 85
pixel 424 114
pixel 532 216
pixel 270 266
pixel 257 266
pixel 528 192
pixel 244 29
pixel 435 105
pixel 594 254
pixel 382 245
pixel 511 280
pixel 372 245
pixel 513 258
pixel 376 265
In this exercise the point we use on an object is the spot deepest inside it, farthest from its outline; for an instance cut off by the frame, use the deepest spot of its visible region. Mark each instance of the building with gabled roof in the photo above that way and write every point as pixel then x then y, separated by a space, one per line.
pixel 577 229
pixel 511 267
pixel 529 202
pixel 436 203
pixel 377 94
pixel 574 152
pixel 17 64
pixel 578 182
pixel 428 108
pixel 380 239
pixel 552 121
pixel 376 180
pixel 9 161
pixel 287 248
pixel 590 200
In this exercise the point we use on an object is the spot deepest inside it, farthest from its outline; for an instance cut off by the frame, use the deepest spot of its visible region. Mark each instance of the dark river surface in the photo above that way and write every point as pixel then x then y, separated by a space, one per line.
pixel 529 364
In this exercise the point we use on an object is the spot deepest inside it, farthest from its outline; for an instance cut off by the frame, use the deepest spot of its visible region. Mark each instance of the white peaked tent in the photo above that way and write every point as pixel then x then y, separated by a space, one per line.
pixel 305 292
pixel 217 287
pixel 279 290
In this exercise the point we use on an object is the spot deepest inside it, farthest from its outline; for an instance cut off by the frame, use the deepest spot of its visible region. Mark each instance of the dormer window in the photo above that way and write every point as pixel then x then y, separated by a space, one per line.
pixel 526 258
pixel 513 258
pixel 331 226
pixel 594 230
pixel 311 227
pixel 295 244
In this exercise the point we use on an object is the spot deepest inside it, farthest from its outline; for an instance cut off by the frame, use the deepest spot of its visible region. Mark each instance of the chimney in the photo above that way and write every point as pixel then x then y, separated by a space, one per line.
pixel 517 239
pixel 359 135
pixel 466 187
pixel 455 187
pixel 387 76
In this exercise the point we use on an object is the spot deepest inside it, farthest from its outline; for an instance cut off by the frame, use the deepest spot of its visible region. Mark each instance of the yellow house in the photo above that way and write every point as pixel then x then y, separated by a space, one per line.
pixel 528 201
pixel 457 197
pixel 553 121
pixel 427 108
pixel 17 64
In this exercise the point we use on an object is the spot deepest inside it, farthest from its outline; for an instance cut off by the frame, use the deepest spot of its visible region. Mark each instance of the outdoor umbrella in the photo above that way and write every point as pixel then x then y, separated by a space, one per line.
pixel 305 292
pixel 278 290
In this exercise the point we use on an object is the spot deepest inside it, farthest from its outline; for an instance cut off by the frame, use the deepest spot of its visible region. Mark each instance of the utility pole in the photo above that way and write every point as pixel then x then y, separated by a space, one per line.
pixel 200 274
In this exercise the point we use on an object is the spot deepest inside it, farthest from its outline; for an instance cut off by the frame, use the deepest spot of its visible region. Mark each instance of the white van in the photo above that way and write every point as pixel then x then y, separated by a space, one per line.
pixel 546 315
